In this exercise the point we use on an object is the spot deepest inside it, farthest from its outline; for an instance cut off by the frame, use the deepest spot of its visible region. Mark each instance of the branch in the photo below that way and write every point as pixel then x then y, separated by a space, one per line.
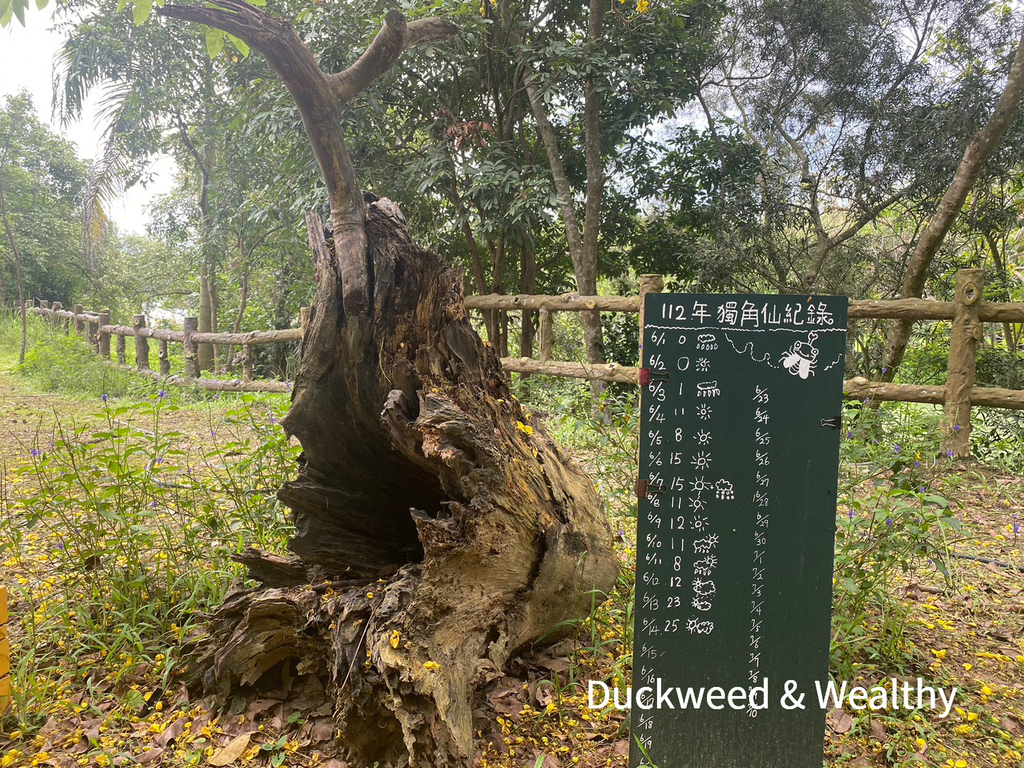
pixel 321 98
pixel 397 35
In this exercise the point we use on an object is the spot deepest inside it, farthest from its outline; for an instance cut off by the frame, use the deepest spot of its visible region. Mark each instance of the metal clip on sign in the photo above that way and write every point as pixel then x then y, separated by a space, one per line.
pixel 647 376
pixel 5 655
pixel 645 487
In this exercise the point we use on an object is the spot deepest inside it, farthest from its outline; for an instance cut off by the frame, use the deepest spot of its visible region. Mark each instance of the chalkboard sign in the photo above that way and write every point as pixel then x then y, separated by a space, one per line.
pixel 740 400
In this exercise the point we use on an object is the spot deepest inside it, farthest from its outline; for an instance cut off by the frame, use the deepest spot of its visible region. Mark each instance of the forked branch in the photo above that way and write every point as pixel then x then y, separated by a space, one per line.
pixel 321 97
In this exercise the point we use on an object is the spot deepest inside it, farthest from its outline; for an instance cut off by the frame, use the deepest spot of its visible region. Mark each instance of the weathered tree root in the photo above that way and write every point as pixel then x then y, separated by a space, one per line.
pixel 416 458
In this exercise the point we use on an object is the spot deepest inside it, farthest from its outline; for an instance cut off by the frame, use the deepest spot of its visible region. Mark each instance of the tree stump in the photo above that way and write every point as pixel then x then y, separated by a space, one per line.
pixel 451 528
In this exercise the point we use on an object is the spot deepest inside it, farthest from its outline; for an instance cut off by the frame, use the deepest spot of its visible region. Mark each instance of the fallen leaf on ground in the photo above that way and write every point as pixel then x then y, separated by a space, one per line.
pixel 232 751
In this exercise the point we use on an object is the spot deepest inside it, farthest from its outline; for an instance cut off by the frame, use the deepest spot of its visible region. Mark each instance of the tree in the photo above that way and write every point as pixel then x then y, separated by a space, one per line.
pixel 40 182
pixel 822 127
pixel 978 151
pixel 160 93
pixel 419 466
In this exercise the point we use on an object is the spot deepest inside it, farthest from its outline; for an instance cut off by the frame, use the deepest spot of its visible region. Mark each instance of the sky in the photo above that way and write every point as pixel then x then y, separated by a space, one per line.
pixel 26 62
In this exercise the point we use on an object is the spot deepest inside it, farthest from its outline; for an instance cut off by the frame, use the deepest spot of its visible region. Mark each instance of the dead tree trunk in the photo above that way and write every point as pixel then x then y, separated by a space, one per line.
pixel 452 531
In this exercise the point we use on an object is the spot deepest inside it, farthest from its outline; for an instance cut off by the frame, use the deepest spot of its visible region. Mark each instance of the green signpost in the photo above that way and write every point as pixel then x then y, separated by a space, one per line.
pixel 740 423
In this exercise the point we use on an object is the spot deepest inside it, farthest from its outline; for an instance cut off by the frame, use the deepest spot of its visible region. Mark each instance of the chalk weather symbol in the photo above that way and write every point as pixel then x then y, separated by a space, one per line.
pixel 702 460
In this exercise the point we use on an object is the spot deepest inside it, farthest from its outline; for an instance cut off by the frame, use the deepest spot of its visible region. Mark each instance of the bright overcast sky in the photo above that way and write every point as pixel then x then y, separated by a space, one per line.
pixel 26 62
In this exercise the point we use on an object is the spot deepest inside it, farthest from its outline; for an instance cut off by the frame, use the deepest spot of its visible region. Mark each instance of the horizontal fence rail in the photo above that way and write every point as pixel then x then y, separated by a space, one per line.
pixel 958 396
pixel 98 329
pixel 960 393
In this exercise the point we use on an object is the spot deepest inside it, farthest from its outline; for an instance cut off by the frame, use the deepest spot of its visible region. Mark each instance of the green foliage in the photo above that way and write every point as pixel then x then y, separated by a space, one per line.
pixel 889 521
pixel 41 181
pixel 139 529
pixel 58 363
pixel 997 438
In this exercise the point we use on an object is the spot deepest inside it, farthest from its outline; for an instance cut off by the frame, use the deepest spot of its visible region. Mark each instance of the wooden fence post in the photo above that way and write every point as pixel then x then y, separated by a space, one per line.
pixel 5 655
pixel 79 323
pixel 122 358
pixel 191 348
pixel 963 350
pixel 547 334
pixel 165 361
pixel 246 362
pixel 141 343
pixel 103 337
pixel 648 284
pixel 55 321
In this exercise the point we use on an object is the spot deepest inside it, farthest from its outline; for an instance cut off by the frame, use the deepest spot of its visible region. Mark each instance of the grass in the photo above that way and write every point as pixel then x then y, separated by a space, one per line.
pixel 120 506
pixel 119 517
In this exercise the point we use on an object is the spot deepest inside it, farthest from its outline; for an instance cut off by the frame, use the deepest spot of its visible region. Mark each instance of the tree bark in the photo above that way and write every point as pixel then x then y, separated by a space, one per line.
pixel 19 276
pixel 980 148
pixel 585 271
pixel 450 530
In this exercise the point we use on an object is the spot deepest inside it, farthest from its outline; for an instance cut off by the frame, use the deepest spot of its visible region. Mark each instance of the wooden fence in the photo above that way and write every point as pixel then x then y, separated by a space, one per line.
pixel 967 312
pixel 97 328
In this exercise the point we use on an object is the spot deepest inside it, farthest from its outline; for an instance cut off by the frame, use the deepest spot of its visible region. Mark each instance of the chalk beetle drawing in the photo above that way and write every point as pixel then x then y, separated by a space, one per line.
pixel 802 358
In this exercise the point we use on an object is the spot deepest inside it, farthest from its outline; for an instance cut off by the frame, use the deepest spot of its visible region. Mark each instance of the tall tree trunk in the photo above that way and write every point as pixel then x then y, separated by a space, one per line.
pixel 420 473
pixel 582 241
pixel 528 285
pixel 205 316
pixel 999 262
pixel 977 153
pixel 243 302
pixel 207 290
pixel 19 276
